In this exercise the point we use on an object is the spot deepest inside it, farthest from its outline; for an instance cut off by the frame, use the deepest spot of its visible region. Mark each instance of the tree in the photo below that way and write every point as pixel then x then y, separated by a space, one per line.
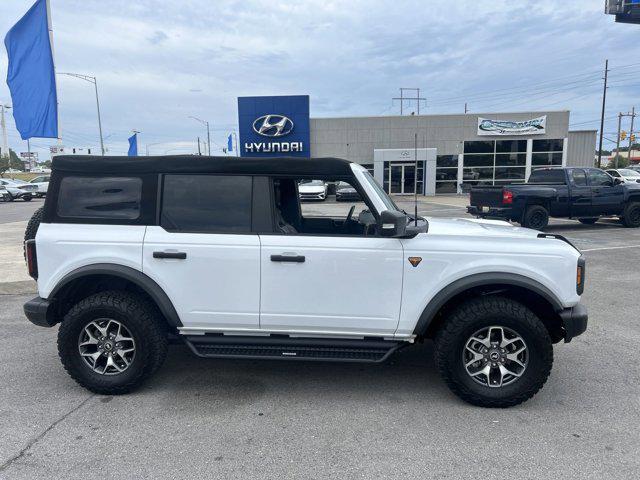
pixel 16 163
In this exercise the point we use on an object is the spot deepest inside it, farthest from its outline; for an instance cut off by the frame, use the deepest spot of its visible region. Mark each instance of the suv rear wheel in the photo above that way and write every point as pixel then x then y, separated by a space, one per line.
pixel 111 342
pixel 494 352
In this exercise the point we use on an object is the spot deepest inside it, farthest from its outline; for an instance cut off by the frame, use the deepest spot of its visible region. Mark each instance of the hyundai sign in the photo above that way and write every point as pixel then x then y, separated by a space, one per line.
pixel 274 126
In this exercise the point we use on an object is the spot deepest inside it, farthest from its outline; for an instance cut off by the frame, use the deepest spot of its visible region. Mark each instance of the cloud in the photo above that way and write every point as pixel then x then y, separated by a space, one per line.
pixel 159 62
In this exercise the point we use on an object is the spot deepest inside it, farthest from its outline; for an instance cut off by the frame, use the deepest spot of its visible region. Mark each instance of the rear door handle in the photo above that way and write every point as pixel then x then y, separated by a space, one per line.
pixel 177 255
pixel 288 258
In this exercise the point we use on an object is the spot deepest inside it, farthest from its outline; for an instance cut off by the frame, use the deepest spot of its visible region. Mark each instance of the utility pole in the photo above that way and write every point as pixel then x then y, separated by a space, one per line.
pixel 402 99
pixel 465 107
pixel 199 152
pixel 5 142
pixel 206 123
pixel 604 104
pixel 633 116
pixel 618 140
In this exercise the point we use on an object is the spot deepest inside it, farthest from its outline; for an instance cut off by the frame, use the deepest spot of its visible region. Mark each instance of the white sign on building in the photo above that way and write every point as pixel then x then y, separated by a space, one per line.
pixel 535 126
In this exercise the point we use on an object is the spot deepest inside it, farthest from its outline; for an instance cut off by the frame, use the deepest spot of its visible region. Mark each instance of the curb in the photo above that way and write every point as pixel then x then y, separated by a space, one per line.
pixel 18 288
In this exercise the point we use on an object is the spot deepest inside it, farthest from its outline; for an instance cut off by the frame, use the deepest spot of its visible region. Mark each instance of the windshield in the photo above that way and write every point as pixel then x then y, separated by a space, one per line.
pixel 625 172
pixel 388 203
pixel 314 183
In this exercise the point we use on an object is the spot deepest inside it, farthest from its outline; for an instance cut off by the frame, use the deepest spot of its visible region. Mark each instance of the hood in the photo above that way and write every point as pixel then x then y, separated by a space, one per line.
pixel 311 188
pixel 346 189
pixel 477 228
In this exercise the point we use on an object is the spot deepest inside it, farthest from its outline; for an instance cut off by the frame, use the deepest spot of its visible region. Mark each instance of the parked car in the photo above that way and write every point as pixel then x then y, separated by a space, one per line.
pixel 4 194
pixel 625 174
pixel 585 194
pixel 312 190
pixel 346 192
pixel 19 189
pixel 115 248
pixel 42 182
pixel 635 167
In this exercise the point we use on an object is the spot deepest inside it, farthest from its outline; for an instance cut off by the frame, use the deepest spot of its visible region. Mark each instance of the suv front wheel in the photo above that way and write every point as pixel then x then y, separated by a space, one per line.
pixel 494 352
pixel 111 342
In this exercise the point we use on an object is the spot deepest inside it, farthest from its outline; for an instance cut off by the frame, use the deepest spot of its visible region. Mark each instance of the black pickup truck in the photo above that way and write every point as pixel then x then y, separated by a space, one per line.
pixel 585 194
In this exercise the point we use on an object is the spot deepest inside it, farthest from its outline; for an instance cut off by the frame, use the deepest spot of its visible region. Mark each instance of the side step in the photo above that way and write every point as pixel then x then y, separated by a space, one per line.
pixel 279 347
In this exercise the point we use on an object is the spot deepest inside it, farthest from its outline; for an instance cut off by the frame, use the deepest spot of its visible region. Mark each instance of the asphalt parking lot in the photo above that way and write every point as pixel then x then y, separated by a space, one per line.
pixel 246 419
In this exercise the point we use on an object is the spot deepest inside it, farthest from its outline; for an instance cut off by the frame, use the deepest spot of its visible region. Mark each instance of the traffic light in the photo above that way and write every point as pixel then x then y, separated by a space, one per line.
pixel 623 135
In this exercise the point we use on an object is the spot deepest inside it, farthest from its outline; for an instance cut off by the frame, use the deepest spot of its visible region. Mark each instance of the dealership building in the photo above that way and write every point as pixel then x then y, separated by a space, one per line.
pixel 436 153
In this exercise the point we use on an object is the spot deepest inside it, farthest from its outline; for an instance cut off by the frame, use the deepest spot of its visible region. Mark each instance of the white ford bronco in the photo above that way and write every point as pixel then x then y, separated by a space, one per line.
pixel 220 254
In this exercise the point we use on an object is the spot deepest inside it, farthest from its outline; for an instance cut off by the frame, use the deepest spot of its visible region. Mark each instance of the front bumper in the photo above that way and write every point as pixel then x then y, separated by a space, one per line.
pixel 490 212
pixel 574 321
pixel 39 311
pixel 313 196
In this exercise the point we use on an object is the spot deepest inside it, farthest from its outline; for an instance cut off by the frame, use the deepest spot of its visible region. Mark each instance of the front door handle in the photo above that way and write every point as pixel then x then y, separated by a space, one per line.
pixel 177 255
pixel 288 258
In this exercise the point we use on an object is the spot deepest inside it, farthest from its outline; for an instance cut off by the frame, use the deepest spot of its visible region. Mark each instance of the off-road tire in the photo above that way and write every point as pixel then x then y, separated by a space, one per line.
pixel 489 311
pixel 34 223
pixel 536 217
pixel 142 320
pixel 27 198
pixel 631 215
pixel 588 221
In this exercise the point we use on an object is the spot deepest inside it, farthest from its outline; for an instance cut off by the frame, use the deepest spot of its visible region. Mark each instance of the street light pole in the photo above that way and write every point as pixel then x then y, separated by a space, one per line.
pixel 5 142
pixel 90 79
pixel 204 122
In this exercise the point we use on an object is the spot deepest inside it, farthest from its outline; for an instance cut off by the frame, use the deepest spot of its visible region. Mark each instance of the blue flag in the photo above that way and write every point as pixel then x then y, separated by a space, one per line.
pixel 30 76
pixel 133 145
pixel 229 143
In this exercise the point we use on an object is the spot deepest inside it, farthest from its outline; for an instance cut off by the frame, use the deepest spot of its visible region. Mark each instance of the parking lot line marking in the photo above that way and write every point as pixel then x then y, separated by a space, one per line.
pixel 609 248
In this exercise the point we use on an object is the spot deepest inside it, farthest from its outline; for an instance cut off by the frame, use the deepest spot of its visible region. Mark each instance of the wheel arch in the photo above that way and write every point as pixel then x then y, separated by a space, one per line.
pixel 90 279
pixel 537 297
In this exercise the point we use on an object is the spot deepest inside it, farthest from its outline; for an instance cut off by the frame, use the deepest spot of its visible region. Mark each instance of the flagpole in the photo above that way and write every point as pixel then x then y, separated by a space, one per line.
pixel 53 59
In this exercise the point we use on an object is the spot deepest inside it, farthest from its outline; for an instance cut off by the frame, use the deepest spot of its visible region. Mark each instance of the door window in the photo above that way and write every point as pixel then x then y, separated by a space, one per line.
pixel 598 178
pixel 115 198
pixel 579 177
pixel 206 203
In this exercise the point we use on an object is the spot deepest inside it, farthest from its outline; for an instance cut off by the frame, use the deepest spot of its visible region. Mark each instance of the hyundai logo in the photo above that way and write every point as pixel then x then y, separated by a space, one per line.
pixel 273 126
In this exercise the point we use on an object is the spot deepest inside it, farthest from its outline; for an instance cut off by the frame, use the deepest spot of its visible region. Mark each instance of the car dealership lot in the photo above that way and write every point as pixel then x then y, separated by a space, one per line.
pixel 245 419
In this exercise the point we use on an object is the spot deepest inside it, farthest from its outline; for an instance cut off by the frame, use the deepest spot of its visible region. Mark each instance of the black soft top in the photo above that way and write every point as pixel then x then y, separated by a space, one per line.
pixel 88 164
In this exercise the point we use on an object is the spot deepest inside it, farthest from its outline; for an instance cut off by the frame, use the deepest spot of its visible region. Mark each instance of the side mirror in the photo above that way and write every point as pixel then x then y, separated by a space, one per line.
pixel 618 181
pixel 392 223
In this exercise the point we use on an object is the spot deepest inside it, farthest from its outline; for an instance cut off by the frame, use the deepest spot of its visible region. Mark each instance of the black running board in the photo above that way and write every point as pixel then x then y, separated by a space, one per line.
pixel 286 348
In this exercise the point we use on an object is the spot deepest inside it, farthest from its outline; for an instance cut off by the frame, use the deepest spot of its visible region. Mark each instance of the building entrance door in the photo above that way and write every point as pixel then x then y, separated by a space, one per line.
pixel 402 179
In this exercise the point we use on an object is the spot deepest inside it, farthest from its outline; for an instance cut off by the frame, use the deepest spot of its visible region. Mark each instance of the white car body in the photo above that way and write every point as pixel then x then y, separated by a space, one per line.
pixel 313 191
pixel 18 188
pixel 627 175
pixel 250 294
pixel 42 182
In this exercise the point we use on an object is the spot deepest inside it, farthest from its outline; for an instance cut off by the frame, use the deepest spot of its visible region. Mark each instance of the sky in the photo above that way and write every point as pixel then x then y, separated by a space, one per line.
pixel 158 62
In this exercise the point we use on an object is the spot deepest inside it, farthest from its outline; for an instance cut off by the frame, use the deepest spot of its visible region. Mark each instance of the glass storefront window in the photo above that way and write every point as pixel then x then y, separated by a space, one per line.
pixel 511 159
pixel 446 161
pixel 478 160
pixel 553 145
pixel 477 174
pixel 487 146
pixel 551 158
pixel 505 173
pixel 511 146
pixel 446 174
pixel 446 187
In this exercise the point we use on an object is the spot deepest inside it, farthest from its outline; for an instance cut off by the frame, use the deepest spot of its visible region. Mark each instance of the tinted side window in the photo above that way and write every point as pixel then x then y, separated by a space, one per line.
pixel 554 176
pixel 579 177
pixel 599 178
pixel 100 197
pixel 206 203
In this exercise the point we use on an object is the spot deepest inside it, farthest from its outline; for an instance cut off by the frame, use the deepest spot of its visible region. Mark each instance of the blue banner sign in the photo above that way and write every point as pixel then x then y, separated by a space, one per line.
pixel 274 126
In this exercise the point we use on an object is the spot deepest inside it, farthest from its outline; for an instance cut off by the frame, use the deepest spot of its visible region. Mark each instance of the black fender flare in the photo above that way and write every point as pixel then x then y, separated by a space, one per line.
pixel 149 286
pixel 478 280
